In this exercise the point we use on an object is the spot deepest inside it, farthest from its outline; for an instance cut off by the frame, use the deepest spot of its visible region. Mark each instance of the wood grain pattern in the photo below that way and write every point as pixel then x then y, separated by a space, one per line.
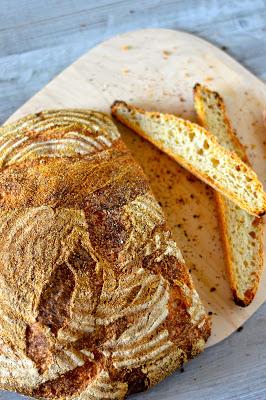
pixel 38 40
pixel 33 49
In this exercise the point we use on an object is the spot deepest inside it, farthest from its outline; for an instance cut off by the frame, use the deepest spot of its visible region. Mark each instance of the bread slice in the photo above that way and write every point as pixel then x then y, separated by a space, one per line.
pixel 198 151
pixel 96 301
pixel 242 234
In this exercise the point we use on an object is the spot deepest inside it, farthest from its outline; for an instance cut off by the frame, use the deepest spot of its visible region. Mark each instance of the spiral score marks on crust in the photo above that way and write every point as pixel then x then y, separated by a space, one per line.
pixel 149 304
pixel 103 288
pixel 88 135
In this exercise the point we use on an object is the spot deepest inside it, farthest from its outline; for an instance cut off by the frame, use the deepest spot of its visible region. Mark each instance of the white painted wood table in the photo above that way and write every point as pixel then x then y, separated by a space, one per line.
pixel 39 39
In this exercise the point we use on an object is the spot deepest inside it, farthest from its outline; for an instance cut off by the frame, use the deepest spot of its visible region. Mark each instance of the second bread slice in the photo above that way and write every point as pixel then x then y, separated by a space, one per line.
pixel 242 234
pixel 198 151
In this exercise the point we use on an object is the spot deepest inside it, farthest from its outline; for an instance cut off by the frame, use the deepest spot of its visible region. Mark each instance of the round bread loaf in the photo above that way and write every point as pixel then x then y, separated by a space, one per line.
pixel 96 301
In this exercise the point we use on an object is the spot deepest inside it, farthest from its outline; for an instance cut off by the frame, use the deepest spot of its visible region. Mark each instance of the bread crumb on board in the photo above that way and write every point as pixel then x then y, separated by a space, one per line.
pixel 166 54
pixel 126 47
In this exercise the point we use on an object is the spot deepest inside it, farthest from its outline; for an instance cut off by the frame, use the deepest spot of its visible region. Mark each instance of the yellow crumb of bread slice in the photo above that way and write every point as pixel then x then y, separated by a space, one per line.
pixel 242 233
pixel 198 151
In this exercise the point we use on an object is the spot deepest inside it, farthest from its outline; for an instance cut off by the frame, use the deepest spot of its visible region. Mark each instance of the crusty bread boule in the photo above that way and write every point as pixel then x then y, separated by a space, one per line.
pixel 96 300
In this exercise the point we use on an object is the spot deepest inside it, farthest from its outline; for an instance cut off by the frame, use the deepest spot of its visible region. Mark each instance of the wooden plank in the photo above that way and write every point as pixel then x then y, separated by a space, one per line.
pixel 52 23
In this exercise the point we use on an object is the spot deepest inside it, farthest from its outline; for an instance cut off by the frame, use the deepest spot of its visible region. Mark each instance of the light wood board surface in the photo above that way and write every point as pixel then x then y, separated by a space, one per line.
pixel 156 75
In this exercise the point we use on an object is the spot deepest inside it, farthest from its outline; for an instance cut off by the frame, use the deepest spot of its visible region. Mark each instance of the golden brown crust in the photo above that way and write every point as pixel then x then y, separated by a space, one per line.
pixel 37 347
pixel 243 292
pixel 102 303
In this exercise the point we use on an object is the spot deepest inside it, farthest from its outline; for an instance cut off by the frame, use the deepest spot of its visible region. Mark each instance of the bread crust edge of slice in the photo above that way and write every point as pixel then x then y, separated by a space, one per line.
pixel 250 293
pixel 253 211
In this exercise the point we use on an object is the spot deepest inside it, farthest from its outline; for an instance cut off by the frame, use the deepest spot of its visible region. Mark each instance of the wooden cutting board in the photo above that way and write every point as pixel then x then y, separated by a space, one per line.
pixel 157 69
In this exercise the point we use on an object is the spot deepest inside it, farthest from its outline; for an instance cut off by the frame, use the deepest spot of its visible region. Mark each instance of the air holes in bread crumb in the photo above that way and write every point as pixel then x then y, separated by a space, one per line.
pixel 206 144
pixel 170 133
pixel 191 135
pixel 215 162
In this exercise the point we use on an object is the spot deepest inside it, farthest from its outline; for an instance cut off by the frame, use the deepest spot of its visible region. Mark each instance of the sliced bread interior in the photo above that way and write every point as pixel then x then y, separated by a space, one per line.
pixel 198 151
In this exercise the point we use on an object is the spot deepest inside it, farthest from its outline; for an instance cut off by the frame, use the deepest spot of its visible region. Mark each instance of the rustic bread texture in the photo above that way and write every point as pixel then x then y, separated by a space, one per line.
pixel 96 301
pixel 198 151
pixel 242 234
